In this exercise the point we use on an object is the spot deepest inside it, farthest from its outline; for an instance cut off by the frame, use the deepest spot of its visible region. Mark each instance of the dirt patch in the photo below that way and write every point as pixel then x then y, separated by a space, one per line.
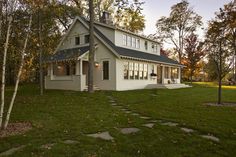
pixel 231 104
pixel 16 129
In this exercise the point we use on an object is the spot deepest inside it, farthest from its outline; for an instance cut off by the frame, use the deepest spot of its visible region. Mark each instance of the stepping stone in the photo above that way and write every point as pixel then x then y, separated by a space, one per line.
pixel 187 130
pixel 103 135
pixel 112 101
pixel 153 94
pixel 143 117
pixel 12 150
pixel 135 114
pixel 70 142
pixel 149 125
pixel 124 109
pixel 169 124
pixel 127 112
pixel 113 104
pixel 211 137
pixel 129 130
pixel 47 146
pixel 153 121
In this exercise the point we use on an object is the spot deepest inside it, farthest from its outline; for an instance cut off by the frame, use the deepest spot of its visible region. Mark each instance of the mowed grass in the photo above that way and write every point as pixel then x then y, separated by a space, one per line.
pixel 61 115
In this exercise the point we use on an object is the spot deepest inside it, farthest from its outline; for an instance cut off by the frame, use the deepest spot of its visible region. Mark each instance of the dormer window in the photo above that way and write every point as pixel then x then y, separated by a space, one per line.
pixel 86 39
pixel 133 42
pixel 137 43
pixel 154 47
pixel 128 40
pixel 77 40
pixel 146 45
pixel 124 39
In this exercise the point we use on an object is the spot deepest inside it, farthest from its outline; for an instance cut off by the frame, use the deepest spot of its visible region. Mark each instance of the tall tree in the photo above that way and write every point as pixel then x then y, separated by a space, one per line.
pixel 194 53
pixel 182 21
pixel 91 47
pixel 12 6
pixel 218 47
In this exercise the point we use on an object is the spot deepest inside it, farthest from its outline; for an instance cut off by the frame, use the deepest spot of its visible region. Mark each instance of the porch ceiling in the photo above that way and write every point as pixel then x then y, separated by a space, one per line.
pixel 67 54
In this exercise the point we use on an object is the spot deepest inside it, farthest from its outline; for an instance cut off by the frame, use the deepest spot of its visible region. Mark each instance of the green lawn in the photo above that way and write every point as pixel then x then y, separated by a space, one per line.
pixel 62 115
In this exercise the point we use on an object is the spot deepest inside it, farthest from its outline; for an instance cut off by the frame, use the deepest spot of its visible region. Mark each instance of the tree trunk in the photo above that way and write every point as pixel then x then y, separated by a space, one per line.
pixel 18 76
pixel 220 76
pixel 4 70
pixel 40 51
pixel 91 47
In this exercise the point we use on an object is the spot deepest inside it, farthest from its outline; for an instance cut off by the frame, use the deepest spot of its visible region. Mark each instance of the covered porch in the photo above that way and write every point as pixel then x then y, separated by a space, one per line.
pixel 68 70
pixel 168 74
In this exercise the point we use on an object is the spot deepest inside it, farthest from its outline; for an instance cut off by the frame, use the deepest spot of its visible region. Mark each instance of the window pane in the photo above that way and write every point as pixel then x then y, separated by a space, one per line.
pixel 86 39
pixel 124 39
pixel 128 41
pixel 145 71
pixel 131 70
pixel 105 70
pixel 141 71
pixel 77 40
pixel 137 43
pixel 166 72
pixel 133 42
pixel 146 45
pixel 64 69
pixel 126 70
pixel 136 74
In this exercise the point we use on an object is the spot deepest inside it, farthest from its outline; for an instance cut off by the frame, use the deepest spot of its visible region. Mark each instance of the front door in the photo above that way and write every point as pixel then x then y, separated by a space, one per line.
pixel 159 74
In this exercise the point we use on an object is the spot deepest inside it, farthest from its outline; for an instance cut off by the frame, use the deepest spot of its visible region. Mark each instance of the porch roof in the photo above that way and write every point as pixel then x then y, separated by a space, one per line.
pixel 67 54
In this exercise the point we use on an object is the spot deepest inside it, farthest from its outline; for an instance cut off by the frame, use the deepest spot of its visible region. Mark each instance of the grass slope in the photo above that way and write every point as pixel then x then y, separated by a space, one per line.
pixel 62 115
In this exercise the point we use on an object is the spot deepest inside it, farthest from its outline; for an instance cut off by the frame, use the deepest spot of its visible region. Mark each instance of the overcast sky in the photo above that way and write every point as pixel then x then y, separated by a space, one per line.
pixel 154 9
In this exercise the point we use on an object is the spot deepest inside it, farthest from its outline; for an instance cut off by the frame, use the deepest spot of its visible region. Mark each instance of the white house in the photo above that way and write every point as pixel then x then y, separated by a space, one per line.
pixel 123 60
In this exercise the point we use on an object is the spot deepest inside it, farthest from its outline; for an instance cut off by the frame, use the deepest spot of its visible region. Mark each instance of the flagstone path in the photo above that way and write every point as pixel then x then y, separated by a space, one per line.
pixel 12 150
pixel 151 122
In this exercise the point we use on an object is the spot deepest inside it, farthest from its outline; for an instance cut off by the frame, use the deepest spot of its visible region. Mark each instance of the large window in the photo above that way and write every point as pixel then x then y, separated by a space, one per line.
pixel 126 70
pixel 174 73
pixel 141 71
pixel 136 74
pixel 64 69
pixel 145 71
pixel 131 70
pixel 167 72
pixel 135 71
pixel 105 65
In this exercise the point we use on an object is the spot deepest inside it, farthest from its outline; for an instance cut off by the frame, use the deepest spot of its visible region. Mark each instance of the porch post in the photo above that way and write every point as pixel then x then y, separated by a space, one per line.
pixel 179 74
pixel 80 67
pixel 51 71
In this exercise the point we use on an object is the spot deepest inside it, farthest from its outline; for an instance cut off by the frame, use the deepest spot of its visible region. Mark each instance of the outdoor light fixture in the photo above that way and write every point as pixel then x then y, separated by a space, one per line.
pixel 96 64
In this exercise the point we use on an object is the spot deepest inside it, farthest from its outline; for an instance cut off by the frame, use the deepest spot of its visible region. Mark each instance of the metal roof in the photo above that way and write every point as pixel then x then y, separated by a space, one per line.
pixel 67 54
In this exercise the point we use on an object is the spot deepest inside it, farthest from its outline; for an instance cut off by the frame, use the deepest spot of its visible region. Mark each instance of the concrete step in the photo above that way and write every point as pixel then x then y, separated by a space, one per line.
pixel 166 86
pixel 96 88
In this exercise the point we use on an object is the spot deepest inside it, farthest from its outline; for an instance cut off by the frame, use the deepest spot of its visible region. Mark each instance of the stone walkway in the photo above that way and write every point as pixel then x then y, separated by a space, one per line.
pixel 151 123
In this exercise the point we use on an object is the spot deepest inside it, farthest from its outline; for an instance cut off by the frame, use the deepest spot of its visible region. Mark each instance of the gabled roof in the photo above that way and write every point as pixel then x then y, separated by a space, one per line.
pixel 68 54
